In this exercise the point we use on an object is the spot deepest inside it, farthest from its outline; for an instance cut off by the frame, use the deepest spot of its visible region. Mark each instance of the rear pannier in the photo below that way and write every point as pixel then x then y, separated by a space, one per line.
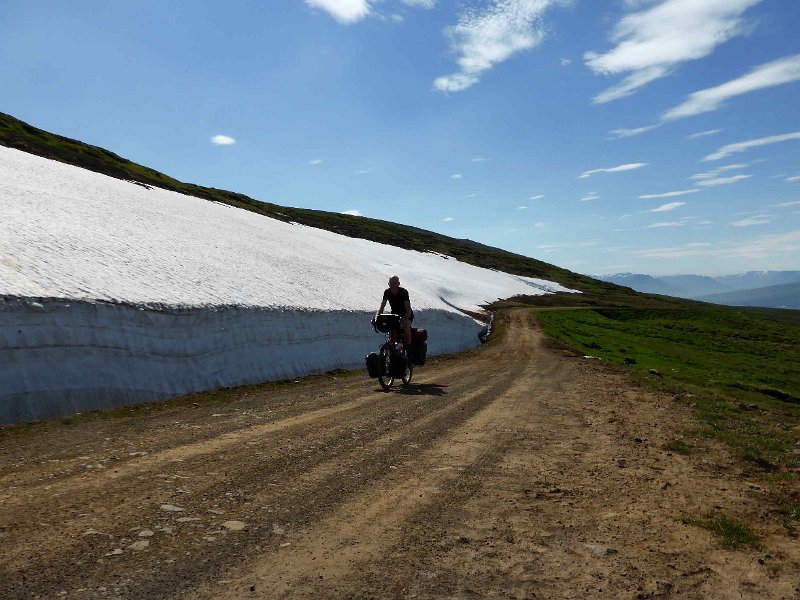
pixel 419 347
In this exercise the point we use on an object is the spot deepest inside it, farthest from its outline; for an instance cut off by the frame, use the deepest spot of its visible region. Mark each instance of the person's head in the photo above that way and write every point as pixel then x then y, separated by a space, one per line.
pixel 394 283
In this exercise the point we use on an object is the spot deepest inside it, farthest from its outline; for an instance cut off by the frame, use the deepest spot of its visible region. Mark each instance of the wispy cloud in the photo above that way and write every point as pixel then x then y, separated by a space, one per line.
pixel 669 194
pixel 777 72
pixel 666 224
pixel 786 204
pixel 719 170
pixel 485 37
pixel 565 62
pixel 670 206
pixel 618 169
pixel 448 219
pixel 365 171
pixel 222 140
pixel 420 3
pixel 694 136
pixel 315 161
pixel 792 179
pixel 344 11
pixel 651 43
pixel 480 159
pixel 624 133
pixel 723 180
pixel 589 197
pixel 352 213
pixel 764 246
pixel 522 207
pixel 536 197
pixel 748 222
pixel 455 176
pixel 726 151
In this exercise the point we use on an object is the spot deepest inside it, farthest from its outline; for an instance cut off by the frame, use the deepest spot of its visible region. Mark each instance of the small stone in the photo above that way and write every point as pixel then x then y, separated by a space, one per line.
pixel 284 544
pixel 216 511
pixel 146 533
pixel 172 508
pixel 234 525
pixel 598 550
pixel 115 552
pixel 277 529
pixel 655 372
pixel 140 545
pixel 187 519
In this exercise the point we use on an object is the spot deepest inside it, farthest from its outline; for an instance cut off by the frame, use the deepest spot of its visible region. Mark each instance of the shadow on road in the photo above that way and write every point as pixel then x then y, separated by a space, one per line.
pixel 423 389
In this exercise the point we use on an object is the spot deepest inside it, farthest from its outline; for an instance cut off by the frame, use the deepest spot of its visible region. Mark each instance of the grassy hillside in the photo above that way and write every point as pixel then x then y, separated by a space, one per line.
pixel 22 136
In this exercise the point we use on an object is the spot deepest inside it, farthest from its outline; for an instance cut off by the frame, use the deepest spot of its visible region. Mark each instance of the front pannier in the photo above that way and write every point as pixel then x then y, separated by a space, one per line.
pixel 374 365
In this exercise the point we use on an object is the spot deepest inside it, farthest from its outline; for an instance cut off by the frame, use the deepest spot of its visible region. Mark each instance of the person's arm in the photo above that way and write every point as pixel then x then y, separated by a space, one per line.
pixel 380 310
pixel 408 309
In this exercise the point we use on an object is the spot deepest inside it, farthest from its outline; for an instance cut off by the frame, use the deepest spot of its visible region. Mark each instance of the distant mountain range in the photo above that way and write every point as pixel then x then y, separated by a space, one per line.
pixel 775 289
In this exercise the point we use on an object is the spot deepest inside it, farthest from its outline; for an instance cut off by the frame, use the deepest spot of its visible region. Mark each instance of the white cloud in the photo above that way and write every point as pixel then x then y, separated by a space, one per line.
pixel 364 171
pixel 750 221
pixel 723 180
pixel 666 224
pixel 455 176
pixel 539 224
pixel 694 136
pixel 651 43
pixel 786 204
pixel 420 3
pixel 352 213
pixel 565 62
pixel 669 194
pixel 398 18
pixel 719 170
pixel 470 196
pixel 792 179
pixel 315 161
pixel 670 206
pixel 726 151
pixel 485 37
pixel 620 168
pixel 448 219
pixel 521 207
pixel 624 133
pixel 480 159
pixel 344 11
pixel 536 197
pixel 764 246
pixel 589 197
pixel 222 140
pixel 778 72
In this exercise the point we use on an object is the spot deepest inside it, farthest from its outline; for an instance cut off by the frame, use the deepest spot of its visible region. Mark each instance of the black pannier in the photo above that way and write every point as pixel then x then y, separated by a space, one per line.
pixel 397 364
pixel 386 322
pixel 419 349
pixel 374 365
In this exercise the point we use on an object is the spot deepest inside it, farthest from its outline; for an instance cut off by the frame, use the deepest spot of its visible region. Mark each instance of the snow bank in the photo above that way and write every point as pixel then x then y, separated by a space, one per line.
pixel 152 293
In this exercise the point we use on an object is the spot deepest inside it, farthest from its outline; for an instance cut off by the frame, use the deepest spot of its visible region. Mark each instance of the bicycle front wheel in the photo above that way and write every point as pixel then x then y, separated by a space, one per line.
pixel 385 379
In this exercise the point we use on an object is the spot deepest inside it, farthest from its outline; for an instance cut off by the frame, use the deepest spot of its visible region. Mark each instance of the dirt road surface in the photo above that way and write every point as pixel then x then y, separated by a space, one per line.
pixel 511 471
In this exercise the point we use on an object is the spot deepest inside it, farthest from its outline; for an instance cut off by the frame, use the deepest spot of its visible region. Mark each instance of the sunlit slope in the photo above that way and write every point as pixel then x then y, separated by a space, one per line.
pixel 17 134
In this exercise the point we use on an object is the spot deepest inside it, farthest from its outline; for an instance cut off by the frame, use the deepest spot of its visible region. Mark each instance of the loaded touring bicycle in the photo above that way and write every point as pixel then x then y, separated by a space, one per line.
pixel 393 360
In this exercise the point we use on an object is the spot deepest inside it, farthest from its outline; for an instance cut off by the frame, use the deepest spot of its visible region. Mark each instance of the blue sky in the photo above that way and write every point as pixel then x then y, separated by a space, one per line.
pixel 655 136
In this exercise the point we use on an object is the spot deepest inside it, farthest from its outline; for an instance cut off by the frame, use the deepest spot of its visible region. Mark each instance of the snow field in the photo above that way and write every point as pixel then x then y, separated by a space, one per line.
pixel 146 294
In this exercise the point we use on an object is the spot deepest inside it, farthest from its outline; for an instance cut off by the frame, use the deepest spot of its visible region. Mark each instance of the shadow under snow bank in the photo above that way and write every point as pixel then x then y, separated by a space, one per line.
pixel 58 357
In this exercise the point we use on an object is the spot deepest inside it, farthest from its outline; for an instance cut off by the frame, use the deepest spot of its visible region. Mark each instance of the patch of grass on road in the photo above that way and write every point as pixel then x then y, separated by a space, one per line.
pixel 737 368
pixel 734 533
pixel 678 446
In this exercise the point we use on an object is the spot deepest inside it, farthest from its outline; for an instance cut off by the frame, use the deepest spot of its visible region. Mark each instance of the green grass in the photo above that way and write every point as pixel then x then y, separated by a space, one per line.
pixel 734 534
pixel 678 446
pixel 736 368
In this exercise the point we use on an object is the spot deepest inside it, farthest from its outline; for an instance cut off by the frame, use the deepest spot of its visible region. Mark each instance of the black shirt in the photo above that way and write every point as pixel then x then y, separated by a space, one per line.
pixel 398 302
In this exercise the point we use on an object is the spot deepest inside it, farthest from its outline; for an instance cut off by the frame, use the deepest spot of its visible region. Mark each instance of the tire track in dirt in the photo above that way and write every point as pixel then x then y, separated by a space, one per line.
pixel 298 465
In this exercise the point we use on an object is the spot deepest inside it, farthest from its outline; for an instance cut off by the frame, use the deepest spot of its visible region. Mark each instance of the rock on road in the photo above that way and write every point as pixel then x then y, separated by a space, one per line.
pixel 510 471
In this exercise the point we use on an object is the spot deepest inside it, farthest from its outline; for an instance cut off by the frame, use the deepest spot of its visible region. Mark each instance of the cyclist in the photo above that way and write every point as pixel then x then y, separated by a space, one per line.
pixel 400 304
